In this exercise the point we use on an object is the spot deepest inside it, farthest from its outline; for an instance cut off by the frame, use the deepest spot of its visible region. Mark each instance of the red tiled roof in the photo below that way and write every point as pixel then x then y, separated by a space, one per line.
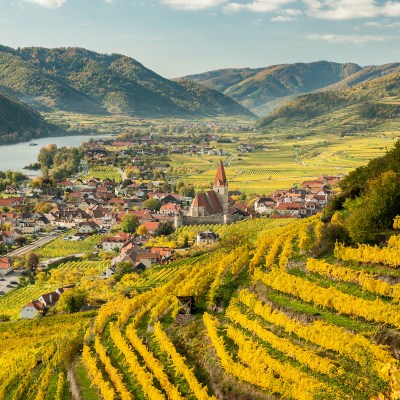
pixel 214 201
pixel 220 178
pixel 171 206
pixel 5 263
pixel 208 200
pixel 10 201
pixel 151 226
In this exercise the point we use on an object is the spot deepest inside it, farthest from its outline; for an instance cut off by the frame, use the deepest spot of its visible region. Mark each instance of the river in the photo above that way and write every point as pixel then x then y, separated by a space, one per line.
pixel 16 156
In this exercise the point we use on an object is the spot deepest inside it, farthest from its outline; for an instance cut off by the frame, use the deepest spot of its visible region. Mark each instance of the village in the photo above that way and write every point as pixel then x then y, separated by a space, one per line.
pixel 128 218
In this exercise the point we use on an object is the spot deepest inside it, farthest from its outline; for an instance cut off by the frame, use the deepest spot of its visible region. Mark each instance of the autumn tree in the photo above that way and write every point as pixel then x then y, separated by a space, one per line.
pixel 141 231
pixel 31 261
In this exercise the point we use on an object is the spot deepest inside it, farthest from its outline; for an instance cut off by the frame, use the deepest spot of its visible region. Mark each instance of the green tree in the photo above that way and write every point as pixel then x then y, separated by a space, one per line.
pixel 72 301
pixel 129 223
pixel 187 191
pixel 122 269
pixel 152 204
pixel 164 229
pixel 375 209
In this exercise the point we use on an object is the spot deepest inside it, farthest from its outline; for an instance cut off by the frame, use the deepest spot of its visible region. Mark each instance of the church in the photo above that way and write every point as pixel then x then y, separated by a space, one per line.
pixel 210 207
pixel 213 202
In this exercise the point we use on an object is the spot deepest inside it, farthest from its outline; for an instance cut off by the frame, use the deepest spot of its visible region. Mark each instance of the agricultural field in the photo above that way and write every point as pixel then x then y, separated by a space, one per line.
pixel 35 368
pixel 270 322
pixel 63 248
pixel 83 265
pixel 104 172
pixel 294 359
pixel 282 161
pixel 12 302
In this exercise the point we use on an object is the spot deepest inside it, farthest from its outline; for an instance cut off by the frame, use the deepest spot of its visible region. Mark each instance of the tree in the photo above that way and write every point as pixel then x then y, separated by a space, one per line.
pixel 141 231
pixel 43 207
pixel 187 191
pixel 126 183
pixel 129 223
pixel 396 222
pixel 20 240
pixel 375 209
pixel 72 301
pixel 152 204
pixel 31 261
pixel 4 318
pixel 122 269
pixel 164 229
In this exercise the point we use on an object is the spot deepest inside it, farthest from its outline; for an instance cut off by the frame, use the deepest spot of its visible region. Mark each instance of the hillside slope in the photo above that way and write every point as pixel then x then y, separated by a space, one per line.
pixel 79 80
pixel 347 110
pixel 19 122
pixel 256 89
pixel 267 322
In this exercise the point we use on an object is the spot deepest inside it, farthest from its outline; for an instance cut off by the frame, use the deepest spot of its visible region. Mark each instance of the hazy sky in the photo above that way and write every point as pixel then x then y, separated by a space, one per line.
pixel 179 37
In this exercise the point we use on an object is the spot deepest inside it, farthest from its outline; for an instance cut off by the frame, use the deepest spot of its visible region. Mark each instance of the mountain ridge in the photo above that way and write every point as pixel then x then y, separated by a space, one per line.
pixel 19 122
pixel 79 80
pixel 257 88
pixel 346 109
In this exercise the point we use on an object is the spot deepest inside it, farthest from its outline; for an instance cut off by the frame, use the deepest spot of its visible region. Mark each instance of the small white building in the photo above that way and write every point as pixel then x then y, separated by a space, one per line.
pixel 32 310
pixel 88 227
pixel 207 238
pixel 264 205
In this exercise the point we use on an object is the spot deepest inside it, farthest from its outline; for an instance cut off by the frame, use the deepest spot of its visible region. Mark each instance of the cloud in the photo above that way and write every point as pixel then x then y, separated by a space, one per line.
pixel 193 4
pixel 257 6
pixel 351 39
pixel 287 15
pixel 47 3
pixel 350 9
pixel 382 24
pixel 282 18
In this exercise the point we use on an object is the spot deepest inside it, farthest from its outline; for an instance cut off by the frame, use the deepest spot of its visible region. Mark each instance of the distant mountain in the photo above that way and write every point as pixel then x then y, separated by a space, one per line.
pixel 344 110
pixel 79 80
pixel 366 74
pixel 263 89
pixel 19 122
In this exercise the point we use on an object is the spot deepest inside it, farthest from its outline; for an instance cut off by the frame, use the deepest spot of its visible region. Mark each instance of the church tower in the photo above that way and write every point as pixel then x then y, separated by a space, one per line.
pixel 220 188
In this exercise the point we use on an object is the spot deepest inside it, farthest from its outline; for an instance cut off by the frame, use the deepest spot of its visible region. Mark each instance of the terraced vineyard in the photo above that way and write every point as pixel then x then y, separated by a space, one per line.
pixel 288 157
pixel 12 302
pixel 63 248
pixel 269 321
pixel 84 265
pixel 274 350
pixel 104 172
pixel 37 369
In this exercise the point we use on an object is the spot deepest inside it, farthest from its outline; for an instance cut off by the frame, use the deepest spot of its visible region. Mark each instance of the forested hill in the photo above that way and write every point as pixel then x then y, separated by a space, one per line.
pixel 260 89
pixel 19 122
pixel 78 80
pixel 346 110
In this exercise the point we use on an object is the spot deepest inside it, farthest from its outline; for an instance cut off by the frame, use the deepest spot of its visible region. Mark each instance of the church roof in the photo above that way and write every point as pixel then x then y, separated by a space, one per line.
pixel 209 200
pixel 220 178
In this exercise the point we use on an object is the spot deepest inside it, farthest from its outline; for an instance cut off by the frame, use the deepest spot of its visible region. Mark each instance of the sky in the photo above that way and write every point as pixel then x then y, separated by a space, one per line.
pixel 181 37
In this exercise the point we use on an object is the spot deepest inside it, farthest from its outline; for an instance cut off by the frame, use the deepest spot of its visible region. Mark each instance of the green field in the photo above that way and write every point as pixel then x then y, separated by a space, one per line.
pixel 282 162
pixel 104 172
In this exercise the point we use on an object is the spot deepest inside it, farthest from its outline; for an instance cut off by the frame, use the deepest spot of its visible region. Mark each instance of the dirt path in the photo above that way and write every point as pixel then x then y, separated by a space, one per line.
pixel 73 386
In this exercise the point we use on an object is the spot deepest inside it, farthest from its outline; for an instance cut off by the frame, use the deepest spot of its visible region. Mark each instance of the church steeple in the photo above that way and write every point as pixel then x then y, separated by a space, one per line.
pixel 220 178
pixel 220 188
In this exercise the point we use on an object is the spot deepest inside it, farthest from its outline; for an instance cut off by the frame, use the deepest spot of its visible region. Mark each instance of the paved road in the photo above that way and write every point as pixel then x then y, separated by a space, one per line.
pixel 34 245
pixel 12 277
pixel 228 161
